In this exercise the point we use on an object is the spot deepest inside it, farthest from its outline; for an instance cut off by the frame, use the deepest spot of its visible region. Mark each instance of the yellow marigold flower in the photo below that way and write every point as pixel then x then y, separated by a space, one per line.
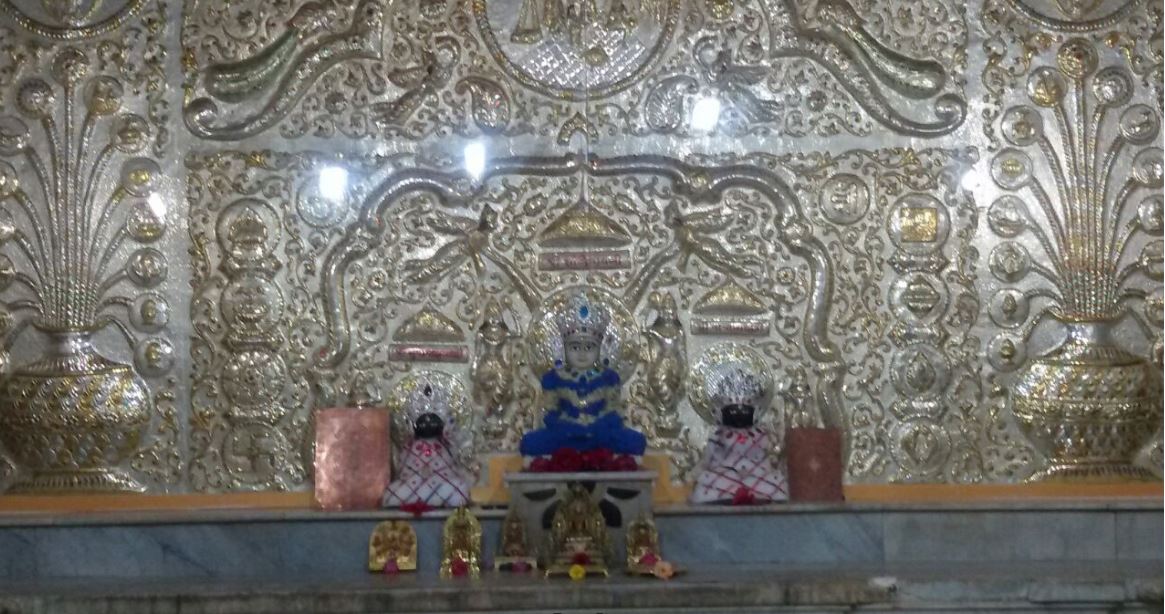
pixel 577 572
pixel 663 569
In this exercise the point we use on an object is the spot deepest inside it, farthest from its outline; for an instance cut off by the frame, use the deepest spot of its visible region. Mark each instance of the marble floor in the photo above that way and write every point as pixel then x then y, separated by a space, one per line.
pixel 967 587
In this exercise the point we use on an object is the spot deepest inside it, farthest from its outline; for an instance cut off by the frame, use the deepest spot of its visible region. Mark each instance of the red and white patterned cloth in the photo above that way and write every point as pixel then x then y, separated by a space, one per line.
pixel 737 465
pixel 428 475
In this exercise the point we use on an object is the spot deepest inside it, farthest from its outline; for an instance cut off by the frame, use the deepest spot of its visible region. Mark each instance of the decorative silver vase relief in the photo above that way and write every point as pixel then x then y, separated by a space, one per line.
pixel 72 416
pixel 1088 404
pixel 72 253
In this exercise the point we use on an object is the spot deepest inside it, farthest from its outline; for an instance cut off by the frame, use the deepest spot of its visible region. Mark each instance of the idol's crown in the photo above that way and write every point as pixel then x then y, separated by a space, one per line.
pixel 583 320
pixel 734 384
pixel 428 399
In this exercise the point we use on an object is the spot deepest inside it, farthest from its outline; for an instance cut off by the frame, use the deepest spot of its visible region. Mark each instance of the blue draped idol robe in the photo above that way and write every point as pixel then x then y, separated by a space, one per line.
pixel 582 417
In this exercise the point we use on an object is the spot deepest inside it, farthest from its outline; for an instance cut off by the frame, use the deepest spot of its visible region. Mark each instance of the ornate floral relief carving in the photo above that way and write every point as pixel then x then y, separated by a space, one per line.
pixel 90 400
pixel 255 220
pixel 514 67
pixel 900 230
pixel 895 226
pixel 459 242
pixel 1077 169
pixel 811 68
pixel 577 50
pixel 70 20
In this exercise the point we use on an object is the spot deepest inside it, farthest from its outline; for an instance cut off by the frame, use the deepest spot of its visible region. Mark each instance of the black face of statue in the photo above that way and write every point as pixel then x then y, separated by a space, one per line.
pixel 737 416
pixel 428 426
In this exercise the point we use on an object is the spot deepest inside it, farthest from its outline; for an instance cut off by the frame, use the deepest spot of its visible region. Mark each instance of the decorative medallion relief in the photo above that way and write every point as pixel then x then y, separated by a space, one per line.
pixel 550 67
pixel 70 20
pixel 86 387
pixel 899 227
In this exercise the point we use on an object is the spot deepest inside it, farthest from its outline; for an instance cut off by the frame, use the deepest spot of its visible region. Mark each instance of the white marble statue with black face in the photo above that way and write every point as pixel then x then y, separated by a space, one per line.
pixel 738 464
pixel 428 473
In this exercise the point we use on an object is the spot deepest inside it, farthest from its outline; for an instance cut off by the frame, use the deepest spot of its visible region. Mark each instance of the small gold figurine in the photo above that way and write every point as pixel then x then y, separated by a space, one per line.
pixel 461 545
pixel 394 544
pixel 644 556
pixel 514 555
pixel 642 546
pixel 642 540
pixel 578 536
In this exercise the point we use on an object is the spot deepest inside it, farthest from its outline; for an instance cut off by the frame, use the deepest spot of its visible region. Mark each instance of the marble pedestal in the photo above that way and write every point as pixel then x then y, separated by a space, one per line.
pixel 1085 555
pixel 622 496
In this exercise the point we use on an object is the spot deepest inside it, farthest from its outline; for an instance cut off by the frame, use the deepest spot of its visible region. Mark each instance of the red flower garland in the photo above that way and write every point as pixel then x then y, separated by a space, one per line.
pixel 569 460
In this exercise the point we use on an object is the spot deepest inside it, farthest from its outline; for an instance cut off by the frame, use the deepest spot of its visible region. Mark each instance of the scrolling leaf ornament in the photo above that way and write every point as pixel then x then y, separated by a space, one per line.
pixel 699 184
pixel 333 69
pixel 279 75
pixel 837 36
pixel 741 66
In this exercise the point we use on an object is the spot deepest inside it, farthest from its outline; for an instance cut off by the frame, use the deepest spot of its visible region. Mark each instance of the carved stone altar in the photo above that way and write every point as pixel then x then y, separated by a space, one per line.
pixel 621 497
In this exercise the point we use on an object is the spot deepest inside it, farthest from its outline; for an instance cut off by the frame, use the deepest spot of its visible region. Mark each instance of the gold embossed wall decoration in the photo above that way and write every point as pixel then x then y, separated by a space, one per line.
pixel 412 72
pixel 918 141
pixel 900 227
pixel 1077 222
pixel 415 245
pixel 84 222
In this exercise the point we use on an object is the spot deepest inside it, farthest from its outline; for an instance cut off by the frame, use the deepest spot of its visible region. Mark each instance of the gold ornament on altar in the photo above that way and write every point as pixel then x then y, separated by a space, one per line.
pixel 578 536
pixel 492 370
pixel 461 545
pixel 642 540
pixel 393 544
pixel 644 556
pixel 514 553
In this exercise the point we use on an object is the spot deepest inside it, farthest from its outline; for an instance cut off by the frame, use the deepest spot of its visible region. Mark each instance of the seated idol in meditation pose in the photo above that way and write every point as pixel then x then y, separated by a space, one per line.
pixel 429 474
pixel 738 466
pixel 581 393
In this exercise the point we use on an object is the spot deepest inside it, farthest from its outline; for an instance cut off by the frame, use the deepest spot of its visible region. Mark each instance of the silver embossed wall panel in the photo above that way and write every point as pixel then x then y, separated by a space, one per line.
pixel 216 217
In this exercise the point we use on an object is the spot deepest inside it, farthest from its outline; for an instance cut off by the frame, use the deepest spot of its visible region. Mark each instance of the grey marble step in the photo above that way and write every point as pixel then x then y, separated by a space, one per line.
pixel 1033 587
pixel 313 545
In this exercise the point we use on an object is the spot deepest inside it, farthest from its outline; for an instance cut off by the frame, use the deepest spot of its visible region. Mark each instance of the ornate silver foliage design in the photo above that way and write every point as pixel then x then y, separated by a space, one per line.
pixel 82 238
pixel 394 71
pixel 917 141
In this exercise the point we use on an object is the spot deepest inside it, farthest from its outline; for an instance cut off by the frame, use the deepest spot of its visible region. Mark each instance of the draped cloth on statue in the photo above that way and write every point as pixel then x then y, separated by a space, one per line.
pixel 737 466
pixel 428 475
pixel 584 417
